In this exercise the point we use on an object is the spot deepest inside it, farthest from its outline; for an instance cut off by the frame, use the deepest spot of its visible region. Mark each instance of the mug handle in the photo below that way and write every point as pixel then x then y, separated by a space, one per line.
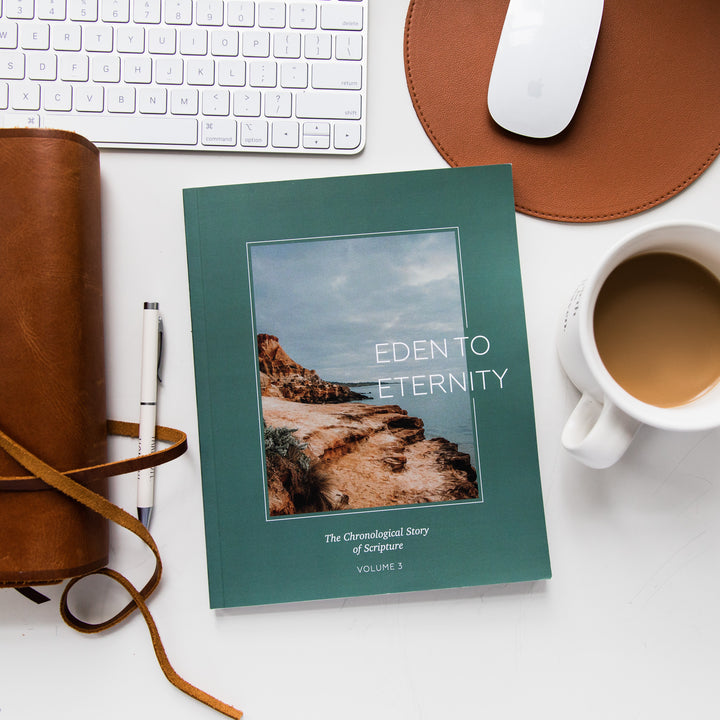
pixel 598 433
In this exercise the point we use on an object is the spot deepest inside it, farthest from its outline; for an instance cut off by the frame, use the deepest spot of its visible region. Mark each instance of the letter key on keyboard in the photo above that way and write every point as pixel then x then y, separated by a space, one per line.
pixel 223 75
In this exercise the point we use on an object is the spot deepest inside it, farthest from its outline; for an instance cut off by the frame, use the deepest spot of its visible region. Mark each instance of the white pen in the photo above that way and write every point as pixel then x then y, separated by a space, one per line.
pixel 151 338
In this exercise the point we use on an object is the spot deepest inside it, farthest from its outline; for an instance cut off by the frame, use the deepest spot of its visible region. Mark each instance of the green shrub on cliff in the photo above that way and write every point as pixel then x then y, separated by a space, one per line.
pixel 279 440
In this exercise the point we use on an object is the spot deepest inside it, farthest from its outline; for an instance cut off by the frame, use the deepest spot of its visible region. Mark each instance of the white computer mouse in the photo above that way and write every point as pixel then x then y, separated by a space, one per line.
pixel 541 64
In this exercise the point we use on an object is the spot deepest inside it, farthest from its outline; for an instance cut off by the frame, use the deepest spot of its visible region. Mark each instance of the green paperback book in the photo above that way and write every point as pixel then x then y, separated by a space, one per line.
pixel 363 386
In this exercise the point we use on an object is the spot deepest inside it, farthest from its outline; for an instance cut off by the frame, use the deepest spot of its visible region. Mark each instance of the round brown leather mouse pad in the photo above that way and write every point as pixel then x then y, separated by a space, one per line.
pixel 647 125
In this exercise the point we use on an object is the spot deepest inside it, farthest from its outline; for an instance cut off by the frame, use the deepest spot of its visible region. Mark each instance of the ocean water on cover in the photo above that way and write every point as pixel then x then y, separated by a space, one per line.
pixel 446 415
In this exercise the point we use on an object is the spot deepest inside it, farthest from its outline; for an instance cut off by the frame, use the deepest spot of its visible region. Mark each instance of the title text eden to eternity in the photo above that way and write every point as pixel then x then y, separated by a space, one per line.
pixel 434 383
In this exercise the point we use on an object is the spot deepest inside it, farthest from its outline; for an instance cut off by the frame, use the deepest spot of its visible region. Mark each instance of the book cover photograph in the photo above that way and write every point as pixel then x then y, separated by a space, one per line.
pixel 363 387
pixel 384 417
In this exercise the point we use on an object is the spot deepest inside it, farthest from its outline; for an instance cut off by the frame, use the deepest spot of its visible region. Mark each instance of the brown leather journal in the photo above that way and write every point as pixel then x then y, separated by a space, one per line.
pixel 54 512
pixel 52 384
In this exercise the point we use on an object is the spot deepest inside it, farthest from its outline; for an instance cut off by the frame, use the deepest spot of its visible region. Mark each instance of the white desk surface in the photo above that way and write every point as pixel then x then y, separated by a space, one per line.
pixel 628 627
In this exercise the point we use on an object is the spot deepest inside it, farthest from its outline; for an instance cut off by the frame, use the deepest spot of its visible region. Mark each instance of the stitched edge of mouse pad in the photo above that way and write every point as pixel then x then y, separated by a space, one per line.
pixel 648 123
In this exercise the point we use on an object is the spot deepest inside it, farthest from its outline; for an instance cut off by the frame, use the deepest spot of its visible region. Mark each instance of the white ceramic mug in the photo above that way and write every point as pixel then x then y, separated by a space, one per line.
pixel 606 418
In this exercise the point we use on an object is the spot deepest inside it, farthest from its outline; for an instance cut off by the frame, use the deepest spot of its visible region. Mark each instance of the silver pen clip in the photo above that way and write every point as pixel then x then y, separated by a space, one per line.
pixel 160 347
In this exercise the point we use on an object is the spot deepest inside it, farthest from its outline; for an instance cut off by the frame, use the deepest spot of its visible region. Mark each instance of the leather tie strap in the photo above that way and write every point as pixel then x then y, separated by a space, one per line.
pixel 73 489
pixel 176 438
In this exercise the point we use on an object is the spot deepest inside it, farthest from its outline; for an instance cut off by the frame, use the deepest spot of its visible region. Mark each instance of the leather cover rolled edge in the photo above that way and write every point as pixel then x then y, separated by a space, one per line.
pixel 52 383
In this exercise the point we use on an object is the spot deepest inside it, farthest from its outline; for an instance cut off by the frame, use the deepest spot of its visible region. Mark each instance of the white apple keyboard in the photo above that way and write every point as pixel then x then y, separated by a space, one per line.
pixel 235 75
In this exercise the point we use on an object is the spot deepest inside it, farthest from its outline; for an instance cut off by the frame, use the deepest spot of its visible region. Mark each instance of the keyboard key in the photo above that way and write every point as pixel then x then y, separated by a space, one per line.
pixel 286 45
pixel 67 36
pixel 336 76
pixel 254 133
pixel 200 71
pixel 285 134
pixel 316 135
pixel 221 132
pixel 341 17
pixel 318 47
pixel 178 12
pixel 271 14
pixel 169 71
pixel 42 66
pixel 209 12
pixel 316 128
pixel 115 11
pixel 162 41
pixel 83 10
pixel 294 75
pixel 134 130
pixel 348 46
pixel 193 42
pixel 12 65
pixel 152 101
pixel 246 103
pixel 303 16
pixel 263 74
pixel 105 68
pixel 216 102
pixel 184 101
pixel 347 135
pixel 57 96
pixel 137 69
pixel 19 9
pixel 316 142
pixel 51 9
pixel 8 35
pixel 35 36
pixel 225 43
pixel 240 13
pixel 74 68
pixel 99 38
pixel 25 96
pixel 278 104
pixel 231 73
pixel 90 98
pixel 328 105
pixel 256 44
pixel 10 119
pixel 146 11
pixel 120 99
pixel 130 39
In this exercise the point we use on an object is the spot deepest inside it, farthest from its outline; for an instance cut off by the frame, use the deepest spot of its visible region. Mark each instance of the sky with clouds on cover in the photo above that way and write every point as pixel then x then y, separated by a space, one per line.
pixel 329 302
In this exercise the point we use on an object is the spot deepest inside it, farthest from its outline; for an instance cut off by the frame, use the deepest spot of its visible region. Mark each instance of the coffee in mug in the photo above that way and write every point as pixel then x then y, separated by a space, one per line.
pixel 657 328
pixel 640 339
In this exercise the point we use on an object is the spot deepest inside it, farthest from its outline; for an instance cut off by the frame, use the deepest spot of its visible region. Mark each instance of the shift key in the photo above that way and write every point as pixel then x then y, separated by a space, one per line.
pixel 330 106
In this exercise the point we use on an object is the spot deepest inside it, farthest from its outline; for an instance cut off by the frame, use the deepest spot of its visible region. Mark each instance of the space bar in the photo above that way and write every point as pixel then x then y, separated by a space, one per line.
pixel 128 130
